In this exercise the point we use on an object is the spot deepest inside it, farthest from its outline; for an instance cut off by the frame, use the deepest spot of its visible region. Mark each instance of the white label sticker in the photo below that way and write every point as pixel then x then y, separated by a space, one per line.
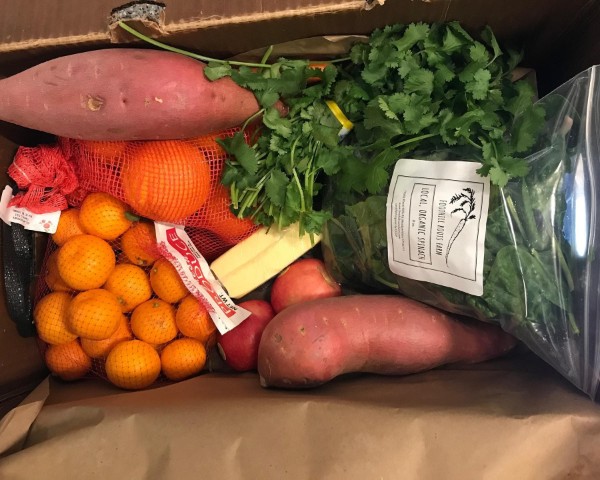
pixel 436 218
pixel 37 222
pixel 195 272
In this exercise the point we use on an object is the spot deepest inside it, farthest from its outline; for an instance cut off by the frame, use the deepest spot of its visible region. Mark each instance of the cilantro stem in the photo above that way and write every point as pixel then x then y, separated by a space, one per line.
pixel 202 58
pixel 476 145
pixel 413 140
pixel 339 60
pixel 295 173
pixel 267 54
pixel 251 118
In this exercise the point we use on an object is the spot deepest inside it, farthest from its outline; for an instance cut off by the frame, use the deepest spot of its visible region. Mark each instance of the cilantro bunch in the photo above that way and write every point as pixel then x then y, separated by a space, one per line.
pixel 276 178
pixel 415 88
pixel 429 88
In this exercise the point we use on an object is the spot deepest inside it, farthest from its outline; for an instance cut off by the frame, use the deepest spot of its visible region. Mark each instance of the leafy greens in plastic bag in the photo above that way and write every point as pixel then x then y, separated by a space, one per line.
pixel 541 272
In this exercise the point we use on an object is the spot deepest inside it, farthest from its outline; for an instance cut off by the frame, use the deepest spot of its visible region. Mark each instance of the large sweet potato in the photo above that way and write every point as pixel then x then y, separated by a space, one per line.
pixel 123 94
pixel 311 343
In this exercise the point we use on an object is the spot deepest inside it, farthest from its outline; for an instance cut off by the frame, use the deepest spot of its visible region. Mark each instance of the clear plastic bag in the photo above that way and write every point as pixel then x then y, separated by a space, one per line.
pixel 541 271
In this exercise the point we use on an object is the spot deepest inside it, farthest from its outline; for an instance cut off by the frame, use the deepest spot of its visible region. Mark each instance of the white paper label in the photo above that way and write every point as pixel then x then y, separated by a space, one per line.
pixel 436 218
pixel 195 272
pixel 37 222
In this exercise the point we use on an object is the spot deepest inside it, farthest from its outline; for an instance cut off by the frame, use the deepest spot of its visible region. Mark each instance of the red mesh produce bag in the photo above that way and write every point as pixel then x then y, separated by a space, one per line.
pixel 107 303
pixel 46 177
pixel 174 181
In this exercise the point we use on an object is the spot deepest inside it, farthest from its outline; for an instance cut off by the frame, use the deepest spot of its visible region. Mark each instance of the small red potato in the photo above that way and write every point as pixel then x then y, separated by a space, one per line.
pixel 123 94
pixel 239 347
pixel 309 344
pixel 305 279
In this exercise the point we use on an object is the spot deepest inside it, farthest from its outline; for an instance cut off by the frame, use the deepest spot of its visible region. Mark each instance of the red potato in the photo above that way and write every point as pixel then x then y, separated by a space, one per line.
pixel 309 344
pixel 123 94
pixel 239 347
pixel 305 279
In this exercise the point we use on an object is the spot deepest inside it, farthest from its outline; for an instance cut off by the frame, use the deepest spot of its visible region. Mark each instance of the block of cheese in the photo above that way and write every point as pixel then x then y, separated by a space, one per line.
pixel 260 257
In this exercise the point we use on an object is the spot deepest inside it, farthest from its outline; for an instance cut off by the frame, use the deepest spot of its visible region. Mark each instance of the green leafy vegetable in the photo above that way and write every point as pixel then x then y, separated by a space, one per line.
pixel 416 87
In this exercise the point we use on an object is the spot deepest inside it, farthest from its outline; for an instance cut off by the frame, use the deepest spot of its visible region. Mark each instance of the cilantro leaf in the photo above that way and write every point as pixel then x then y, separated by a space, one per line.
pixel 414 33
pixel 527 127
pixel 244 154
pixel 479 53
pixel 276 187
pixel 277 123
pixel 480 84
pixel 419 81
pixel 216 70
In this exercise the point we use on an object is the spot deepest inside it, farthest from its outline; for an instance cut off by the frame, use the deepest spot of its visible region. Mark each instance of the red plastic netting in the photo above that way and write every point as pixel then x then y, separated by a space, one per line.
pixel 175 181
pixel 107 303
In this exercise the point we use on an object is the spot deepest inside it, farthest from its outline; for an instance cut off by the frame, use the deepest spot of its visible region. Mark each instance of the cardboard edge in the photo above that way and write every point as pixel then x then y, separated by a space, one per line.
pixel 175 27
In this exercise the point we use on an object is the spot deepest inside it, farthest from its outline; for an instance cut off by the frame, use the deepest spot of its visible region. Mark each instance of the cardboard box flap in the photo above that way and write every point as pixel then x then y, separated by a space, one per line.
pixel 46 29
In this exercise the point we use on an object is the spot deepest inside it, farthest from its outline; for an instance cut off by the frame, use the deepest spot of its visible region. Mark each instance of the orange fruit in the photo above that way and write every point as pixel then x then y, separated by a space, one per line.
pixel 52 277
pixel 68 360
pixel 130 284
pixel 101 348
pixel 193 320
pixel 220 220
pixel 94 314
pixel 139 244
pixel 50 317
pixel 182 358
pixel 166 282
pixel 133 365
pixel 166 180
pixel 85 262
pixel 104 216
pixel 68 226
pixel 154 322
pixel 103 150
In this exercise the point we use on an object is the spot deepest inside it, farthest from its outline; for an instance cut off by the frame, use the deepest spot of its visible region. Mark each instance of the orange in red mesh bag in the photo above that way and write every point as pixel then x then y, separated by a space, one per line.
pixel 128 321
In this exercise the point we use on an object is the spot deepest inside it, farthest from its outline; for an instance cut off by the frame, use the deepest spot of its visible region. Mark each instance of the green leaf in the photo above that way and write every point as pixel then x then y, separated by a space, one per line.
pixel 407 64
pixel 488 36
pixel 419 81
pixel 277 123
pixel 455 37
pixel 385 108
pixel 498 176
pixel 527 128
pixel 480 84
pixel 216 70
pixel 276 187
pixel 515 167
pixel 522 99
pixel 244 154
pixel 414 33
pixel 479 53
pixel 267 98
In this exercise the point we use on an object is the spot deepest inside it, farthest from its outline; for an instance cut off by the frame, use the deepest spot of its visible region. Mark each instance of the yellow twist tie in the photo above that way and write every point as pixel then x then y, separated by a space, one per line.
pixel 337 113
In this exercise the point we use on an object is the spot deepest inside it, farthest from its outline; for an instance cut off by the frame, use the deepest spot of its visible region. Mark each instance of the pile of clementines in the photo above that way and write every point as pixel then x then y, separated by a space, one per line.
pixel 113 305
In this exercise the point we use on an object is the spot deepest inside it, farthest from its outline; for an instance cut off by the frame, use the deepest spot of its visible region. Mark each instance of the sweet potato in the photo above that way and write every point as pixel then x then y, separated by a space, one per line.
pixel 311 343
pixel 123 94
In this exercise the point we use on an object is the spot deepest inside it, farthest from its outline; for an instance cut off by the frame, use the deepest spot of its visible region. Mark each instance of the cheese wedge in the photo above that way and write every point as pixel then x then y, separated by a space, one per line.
pixel 260 257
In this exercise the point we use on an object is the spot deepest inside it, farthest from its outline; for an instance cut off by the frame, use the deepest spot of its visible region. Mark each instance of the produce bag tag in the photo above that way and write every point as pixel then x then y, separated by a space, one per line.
pixel 435 221
pixel 37 222
pixel 174 243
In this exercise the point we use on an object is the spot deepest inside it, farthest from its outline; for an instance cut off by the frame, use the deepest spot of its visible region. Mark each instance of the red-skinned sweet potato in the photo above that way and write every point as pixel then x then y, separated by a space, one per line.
pixel 311 343
pixel 123 94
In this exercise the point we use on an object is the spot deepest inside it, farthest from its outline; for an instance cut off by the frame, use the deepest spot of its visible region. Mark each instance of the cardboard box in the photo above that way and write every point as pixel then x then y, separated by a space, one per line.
pixel 511 418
